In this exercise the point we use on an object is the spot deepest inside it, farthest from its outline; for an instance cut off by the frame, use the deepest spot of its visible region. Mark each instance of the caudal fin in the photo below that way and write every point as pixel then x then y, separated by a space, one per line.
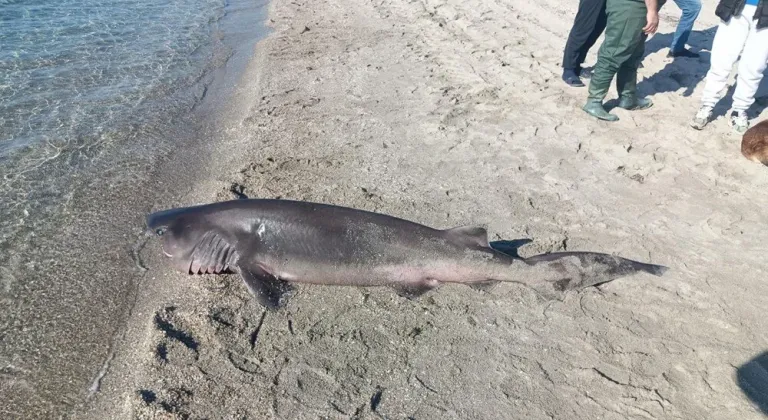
pixel 577 270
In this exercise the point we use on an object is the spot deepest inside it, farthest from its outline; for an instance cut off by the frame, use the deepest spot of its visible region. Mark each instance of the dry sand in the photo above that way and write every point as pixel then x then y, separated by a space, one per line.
pixel 453 113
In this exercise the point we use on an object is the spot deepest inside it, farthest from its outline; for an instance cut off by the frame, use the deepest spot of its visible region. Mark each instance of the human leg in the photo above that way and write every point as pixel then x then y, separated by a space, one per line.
pixel 619 46
pixel 690 11
pixel 754 60
pixel 599 28
pixel 589 19
pixel 726 47
pixel 626 78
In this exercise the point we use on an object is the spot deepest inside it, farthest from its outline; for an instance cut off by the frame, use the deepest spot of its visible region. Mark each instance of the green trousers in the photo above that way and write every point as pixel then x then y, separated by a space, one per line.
pixel 622 50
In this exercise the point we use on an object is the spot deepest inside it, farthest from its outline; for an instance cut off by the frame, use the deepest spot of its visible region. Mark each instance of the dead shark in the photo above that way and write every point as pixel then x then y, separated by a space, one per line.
pixel 273 243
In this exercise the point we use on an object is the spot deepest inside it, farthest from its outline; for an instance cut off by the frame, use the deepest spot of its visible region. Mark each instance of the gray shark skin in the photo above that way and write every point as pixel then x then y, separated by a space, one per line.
pixel 273 243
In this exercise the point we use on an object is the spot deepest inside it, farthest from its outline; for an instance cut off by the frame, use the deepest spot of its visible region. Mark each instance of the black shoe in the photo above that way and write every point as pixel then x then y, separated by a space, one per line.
pixel 682 53
pixel 572 78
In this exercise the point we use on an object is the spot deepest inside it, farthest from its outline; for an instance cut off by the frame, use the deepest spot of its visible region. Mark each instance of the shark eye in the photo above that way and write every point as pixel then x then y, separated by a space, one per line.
pixel 160 231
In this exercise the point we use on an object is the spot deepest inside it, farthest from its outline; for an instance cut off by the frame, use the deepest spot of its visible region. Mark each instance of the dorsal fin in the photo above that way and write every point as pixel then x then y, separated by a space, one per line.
pixel 468 236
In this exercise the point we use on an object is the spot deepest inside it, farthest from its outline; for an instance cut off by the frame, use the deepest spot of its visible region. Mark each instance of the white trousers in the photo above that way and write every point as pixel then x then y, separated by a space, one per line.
pixel 738 35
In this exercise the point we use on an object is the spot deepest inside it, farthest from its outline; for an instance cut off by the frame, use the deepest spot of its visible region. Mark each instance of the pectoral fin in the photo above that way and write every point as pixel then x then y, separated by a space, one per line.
pixel 270 291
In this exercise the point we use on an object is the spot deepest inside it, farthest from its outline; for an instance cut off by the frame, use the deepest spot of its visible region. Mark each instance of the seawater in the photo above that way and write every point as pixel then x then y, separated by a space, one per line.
pixel 78 78
pixel 96 97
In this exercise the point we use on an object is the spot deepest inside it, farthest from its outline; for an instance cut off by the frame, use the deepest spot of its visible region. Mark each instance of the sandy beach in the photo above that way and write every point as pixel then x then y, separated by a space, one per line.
pixel 448 114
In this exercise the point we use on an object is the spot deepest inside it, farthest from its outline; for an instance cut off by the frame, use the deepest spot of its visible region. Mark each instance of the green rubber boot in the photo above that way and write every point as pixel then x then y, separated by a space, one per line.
pixel 634 103
pixel 595 108
pixel 626 84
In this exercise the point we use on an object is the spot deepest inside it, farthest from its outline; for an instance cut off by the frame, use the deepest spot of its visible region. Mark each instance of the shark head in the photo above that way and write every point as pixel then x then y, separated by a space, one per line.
pixel 190 241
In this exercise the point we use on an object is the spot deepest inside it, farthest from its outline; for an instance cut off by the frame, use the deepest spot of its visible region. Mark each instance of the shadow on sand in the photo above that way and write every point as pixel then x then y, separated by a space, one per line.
pixel 752 378
pixel 687 73
pixel 681 72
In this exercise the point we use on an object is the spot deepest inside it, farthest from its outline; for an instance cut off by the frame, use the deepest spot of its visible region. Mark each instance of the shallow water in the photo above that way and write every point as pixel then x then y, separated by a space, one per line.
pixel 94 96
pixel 71 69
pixel 80 76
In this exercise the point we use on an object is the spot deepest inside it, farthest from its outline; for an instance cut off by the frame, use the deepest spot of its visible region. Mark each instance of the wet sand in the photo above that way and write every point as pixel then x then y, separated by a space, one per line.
pixel 451 114
pixel 68 273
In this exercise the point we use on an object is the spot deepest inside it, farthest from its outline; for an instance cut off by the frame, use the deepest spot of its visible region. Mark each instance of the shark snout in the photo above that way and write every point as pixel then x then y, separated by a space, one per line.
pixel 160 233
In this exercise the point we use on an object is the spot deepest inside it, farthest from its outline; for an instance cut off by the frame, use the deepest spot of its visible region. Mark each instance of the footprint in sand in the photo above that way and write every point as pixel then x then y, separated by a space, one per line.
pixel 177 346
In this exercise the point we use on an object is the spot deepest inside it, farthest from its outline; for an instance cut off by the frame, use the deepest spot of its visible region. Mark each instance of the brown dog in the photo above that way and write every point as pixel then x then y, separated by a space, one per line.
pixel 754 144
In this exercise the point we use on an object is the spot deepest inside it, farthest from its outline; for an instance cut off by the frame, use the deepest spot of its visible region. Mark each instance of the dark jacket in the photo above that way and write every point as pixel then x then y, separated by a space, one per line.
pixel 728 8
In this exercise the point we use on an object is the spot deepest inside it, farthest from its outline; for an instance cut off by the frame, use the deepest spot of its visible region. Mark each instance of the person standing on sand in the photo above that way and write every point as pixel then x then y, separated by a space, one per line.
pixel 588 25
pixel 690 9
pixel 628 25
pixel 743 26
pixel 590 22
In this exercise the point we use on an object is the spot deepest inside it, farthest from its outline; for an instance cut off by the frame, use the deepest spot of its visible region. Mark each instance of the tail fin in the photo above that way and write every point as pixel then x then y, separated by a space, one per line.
pixel 578 270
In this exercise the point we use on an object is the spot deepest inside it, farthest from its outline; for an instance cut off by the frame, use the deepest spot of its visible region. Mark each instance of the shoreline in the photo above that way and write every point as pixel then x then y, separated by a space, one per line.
pixel 226 111
pixel 453 114
pixel 448 115
pixel 59 340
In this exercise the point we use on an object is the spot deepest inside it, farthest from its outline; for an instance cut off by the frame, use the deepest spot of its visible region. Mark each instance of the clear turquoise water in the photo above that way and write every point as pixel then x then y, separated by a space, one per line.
pixel 69 69
pixel 89 89
pixel 96 96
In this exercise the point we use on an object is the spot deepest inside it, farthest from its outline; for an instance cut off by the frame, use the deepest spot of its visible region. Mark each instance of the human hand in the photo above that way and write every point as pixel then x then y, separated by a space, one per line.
pixel 652 22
